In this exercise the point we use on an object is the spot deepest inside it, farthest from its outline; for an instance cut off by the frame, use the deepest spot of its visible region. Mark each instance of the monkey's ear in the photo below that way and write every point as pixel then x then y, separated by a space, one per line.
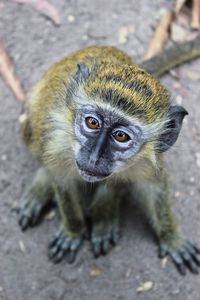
pixel 172 129
pixel 82 72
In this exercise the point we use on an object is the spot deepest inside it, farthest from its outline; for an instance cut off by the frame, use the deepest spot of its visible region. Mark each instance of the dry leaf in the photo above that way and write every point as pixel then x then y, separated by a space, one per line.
pixel 8 74
pixel 145 287
pixel 50 215
pixel 179 4
pixel 44 7
pixel 195 21
pixel 22 247
pixel 198 159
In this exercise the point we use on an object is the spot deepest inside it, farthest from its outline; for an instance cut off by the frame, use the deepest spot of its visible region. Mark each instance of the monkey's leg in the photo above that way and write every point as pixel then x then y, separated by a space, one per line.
pixel 69 237
pixel 35 199
pixel 104 212
pixel 185 254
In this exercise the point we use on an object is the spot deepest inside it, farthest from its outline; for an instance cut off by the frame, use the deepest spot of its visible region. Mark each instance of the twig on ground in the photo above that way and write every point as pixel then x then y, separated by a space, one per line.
pixel 178 5
pixel 195 21
pixel 44 7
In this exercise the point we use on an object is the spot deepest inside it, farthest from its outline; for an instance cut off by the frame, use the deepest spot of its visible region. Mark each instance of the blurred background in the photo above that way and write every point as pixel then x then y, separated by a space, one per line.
pixel 34 35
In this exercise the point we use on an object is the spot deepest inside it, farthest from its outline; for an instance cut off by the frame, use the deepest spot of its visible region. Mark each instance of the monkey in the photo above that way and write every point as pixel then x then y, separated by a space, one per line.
pixel 98 124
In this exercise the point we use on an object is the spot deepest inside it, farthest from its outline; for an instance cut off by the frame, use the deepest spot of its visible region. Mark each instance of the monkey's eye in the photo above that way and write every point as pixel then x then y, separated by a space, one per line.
pixel 121 136
pixel 92 123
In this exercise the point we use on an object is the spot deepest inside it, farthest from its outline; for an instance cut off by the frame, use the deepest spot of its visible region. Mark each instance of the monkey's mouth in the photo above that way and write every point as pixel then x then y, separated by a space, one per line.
pixel 91 175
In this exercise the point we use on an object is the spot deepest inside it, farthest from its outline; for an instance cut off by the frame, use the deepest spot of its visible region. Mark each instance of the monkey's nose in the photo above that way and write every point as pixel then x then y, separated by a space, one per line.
pixel 93 159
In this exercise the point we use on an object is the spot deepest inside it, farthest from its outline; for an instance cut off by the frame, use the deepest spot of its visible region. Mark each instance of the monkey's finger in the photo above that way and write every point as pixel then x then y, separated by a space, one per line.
pixel 36 213
pixel 163 251
pixel 71 256
pixel 197 259
pixel 16 209
pixel 177 259
pixel 195 246
pixel 181 268
pixel 65 245
pixel 96 248
pixel 190 262
pixel 193 253
pixel 190 249
pixel 73 248
pixel 75 244
pixel 59 256
pixel 114 237
pixel 193 266
pixel 55 238
pixel 105 246
pixel 53 251
pixel 24 222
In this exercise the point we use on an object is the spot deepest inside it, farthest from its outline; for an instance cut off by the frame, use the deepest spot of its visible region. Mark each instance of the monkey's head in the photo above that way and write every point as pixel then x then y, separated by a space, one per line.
pixel 122 115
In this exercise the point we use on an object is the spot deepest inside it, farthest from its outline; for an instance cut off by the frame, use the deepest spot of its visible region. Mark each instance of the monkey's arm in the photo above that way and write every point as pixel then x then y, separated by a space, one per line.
pixel 172 57
pixel 104 214
pixel 68 239
pixel 35 199
pixel 156 202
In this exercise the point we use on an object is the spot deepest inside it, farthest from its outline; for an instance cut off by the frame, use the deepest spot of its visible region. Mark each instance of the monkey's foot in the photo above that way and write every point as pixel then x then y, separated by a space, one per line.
pixel 30 211
pixel 186 257
pixel 104 236
pixel 62 244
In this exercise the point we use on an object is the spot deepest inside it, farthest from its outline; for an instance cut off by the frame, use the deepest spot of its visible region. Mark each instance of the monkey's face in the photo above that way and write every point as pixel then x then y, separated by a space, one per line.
pixel 105 142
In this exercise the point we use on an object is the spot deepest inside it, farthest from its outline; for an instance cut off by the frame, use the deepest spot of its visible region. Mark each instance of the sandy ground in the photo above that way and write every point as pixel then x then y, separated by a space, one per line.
pixel 35 43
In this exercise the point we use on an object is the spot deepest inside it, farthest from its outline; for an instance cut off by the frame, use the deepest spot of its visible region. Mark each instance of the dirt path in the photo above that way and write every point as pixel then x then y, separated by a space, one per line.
pixel 25 272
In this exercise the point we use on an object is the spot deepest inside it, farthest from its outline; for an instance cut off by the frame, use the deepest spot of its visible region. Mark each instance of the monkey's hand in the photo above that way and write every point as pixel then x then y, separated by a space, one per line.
pixel 35 199
pixel 30 211
pixel 105 214
pixel 104 236
pixel 185 256
pixel 64 244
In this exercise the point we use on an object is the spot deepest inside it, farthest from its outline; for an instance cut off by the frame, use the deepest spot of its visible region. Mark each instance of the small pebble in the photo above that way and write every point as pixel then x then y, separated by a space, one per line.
pixel 71 18
pixel 179 100
pixel 22 247
pixel 3 157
